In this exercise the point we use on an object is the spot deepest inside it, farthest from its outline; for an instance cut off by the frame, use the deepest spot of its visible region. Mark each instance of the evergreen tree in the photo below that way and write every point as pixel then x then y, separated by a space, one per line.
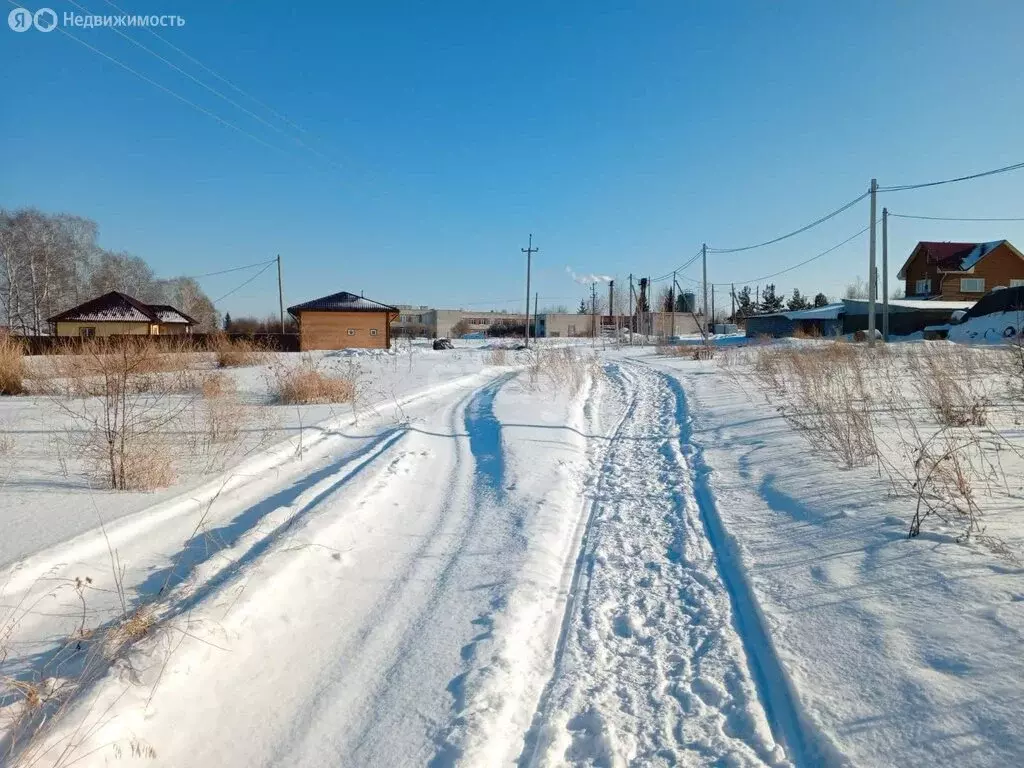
pixel 770 302
pixel 583 310
pixel 797 301
pixel 744 304
pixel 820 300
pixel 227 321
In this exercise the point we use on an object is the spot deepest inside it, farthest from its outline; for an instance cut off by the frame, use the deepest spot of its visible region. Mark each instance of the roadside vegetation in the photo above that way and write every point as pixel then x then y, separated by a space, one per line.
pixel 12 366
pixel 939 421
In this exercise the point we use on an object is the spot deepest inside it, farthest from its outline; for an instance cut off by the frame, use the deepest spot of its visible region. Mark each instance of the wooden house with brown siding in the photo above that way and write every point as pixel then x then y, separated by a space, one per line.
pixel 344 321
pixel 961 271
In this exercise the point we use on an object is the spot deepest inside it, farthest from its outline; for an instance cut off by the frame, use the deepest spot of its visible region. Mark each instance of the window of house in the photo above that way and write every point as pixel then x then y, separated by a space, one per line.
pixel 923 287
pixel 87 331
pixel 1017 282
pixel 972 285
pixel 351 331
pixel 373 331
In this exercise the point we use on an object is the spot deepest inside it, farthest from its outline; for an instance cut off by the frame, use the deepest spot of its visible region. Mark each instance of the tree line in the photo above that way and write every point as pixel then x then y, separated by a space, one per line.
pixel 766 301
pixel 52 262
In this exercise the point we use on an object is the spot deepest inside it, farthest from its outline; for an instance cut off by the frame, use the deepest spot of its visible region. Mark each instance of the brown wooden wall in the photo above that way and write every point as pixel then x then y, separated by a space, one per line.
pixel 998 268
pixel 330 330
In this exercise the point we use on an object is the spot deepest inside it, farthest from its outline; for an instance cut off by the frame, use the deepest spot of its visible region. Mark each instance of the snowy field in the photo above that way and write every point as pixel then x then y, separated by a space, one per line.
pixel 594 556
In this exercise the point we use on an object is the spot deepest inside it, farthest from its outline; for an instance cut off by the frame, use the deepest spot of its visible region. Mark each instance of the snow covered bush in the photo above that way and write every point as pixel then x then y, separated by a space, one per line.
pixel 12 366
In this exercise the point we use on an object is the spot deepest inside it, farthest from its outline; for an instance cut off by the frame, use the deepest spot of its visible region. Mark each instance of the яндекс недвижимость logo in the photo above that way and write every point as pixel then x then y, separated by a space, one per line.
pixel 22 20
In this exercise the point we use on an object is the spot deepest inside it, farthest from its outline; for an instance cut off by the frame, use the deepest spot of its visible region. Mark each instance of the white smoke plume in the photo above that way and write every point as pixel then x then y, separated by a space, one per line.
pixel 588 279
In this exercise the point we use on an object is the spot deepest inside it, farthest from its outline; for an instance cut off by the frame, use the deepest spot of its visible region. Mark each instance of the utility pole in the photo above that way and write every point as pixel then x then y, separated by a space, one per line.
pixel 872 281
pixel 535 295
pixel 704 251
pixel 593 312
pixel 732 292
pixel 672 302
pixel 712 306
pixel 885 274
pixel 280 292
pixel 529 251
pixel 631 318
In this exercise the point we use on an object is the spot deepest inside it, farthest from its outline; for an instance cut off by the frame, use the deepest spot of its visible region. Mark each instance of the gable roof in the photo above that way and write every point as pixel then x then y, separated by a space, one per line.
pixel 120 307
pixel 168 314
pixel 953 257
pixel 343 301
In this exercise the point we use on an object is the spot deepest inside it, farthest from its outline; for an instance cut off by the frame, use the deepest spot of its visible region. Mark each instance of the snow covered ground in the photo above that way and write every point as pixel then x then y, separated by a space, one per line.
pixel 609 558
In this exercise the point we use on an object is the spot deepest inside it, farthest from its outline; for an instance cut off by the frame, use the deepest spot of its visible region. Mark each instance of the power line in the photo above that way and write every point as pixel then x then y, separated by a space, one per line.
pixel 212 90
pixel 667 275
pixel 164 88
pixel 948 218
pixel 196 80
pixel 806 261
pixel 224 80
pixel 795 232
pixel 233 269
pixel 993 172
pixel 240 287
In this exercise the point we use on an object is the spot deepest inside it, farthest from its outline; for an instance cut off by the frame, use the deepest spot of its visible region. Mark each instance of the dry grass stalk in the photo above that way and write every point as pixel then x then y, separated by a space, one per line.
pixel 124 410
pixel 824 394
pixel 498 356
pixel 306 384
pixel 217 385
pixel 12 366
pixel 563 368
pixel 237 353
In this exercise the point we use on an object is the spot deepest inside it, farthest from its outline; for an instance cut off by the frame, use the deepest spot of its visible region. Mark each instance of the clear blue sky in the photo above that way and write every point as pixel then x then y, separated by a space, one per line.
pixel 621 135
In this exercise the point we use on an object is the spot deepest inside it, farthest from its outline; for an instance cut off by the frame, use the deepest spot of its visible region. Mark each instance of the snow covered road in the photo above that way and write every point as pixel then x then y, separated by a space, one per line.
pixel 504 569
pixel 652 670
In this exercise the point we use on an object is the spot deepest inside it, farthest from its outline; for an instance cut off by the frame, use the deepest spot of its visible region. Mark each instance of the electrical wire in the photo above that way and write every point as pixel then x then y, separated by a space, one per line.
pixel 223 79
pixel 164 88
pixel 240 287
pixel 233 269
pixel 948 218
pixel 667 275
pixel 806 261
pixel 993 172
pixel 795 232
pixel 212 90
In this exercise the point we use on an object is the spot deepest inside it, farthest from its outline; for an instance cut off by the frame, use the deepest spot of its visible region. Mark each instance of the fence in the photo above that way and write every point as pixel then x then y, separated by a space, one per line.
pixel 56 345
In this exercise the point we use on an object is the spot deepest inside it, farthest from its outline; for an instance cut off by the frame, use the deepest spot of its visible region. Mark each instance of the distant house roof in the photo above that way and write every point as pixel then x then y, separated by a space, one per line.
pixel 343 301
pixel 120 307
pixel 169 314
pixel 953 257
pixel 827 312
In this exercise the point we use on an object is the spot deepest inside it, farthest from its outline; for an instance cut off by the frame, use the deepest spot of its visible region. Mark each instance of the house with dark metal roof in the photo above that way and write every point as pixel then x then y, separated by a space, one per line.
pixel 961 271
pixel 118 314
pixel 344 321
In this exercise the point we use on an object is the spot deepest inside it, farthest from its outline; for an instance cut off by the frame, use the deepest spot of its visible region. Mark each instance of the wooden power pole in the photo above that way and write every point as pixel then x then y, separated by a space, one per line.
pixel 529 251
pixel 280 292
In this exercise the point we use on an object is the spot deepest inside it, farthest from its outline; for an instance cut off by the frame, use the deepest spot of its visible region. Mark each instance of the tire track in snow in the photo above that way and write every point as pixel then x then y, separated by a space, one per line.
pixel 418 635
pixel 582 569
pixel 652 670
pixel 774 687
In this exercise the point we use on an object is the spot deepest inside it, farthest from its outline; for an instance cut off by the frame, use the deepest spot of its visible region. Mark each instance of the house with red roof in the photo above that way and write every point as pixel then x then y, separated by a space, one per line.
pixel 118 314
pixel 961 271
